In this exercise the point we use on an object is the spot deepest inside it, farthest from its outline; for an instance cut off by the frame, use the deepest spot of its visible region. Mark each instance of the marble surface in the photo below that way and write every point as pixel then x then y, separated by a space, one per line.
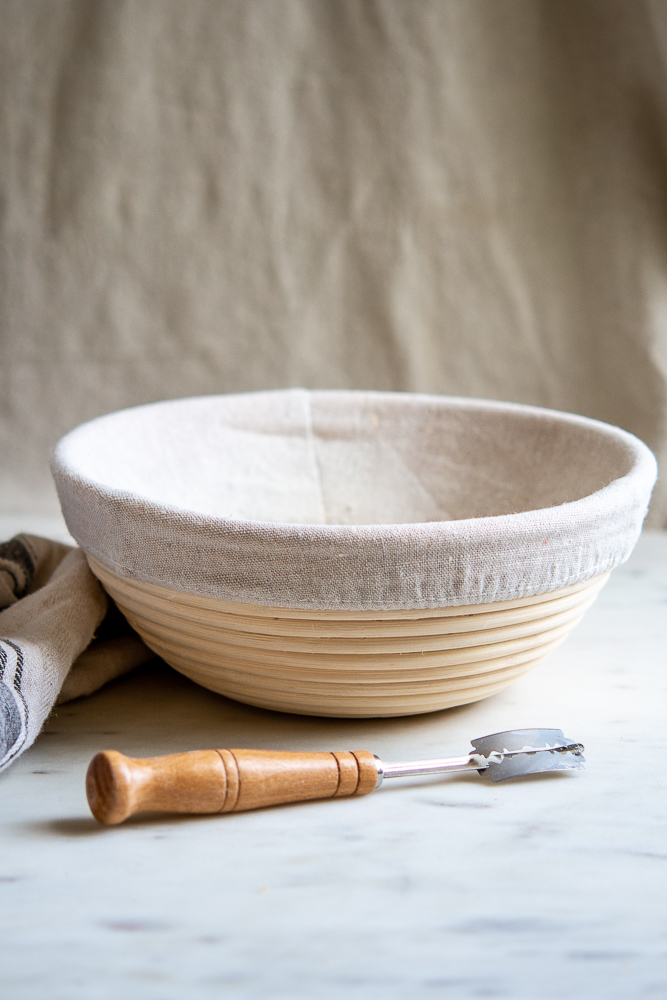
pixel 547 887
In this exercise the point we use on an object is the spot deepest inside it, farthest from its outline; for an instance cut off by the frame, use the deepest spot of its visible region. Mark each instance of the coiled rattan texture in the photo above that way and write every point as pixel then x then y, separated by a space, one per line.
pixel 349 664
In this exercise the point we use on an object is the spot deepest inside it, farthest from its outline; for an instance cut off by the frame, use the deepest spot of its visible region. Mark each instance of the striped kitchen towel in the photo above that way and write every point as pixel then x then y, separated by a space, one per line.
pixel 51 610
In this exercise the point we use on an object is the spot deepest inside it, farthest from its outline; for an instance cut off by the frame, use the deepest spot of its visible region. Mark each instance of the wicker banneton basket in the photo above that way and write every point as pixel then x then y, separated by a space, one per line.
pixel 352 553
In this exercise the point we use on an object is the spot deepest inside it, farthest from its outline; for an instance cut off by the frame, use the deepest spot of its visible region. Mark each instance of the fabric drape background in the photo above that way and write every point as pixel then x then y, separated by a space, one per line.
pixel 451 196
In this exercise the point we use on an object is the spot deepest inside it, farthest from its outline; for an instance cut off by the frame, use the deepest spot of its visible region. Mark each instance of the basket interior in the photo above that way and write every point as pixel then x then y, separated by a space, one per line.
pixel 347 458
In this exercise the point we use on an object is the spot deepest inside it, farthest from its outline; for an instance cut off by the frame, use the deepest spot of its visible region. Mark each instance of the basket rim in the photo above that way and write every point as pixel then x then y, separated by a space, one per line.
pixel 463 561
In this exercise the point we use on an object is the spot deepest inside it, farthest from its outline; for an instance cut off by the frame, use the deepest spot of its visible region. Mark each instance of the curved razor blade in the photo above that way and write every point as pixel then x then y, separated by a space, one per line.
pixel 528 751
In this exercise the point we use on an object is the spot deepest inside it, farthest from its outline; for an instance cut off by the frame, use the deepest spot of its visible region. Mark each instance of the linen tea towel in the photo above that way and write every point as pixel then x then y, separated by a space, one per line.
pixel 51 607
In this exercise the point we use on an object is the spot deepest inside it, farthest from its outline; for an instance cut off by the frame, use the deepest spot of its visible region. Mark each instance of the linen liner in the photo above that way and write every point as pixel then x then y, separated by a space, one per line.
pixel 329 439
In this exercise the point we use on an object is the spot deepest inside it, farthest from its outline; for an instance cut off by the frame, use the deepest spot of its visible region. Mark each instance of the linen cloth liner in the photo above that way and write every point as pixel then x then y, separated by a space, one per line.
pixel 353 500
pixel 51 607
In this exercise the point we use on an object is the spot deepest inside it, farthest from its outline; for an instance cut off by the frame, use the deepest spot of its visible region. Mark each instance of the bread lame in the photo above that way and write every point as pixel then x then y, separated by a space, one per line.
pixel 226 781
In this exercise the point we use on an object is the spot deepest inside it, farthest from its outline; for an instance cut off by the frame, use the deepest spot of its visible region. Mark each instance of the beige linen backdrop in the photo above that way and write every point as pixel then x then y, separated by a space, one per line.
pixel 452 196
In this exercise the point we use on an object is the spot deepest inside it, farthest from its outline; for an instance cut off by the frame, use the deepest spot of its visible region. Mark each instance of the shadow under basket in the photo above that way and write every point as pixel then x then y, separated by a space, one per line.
pixel 349 664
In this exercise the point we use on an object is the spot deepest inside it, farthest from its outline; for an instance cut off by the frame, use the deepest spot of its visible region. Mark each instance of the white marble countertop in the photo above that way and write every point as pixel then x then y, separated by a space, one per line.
pixel 548 887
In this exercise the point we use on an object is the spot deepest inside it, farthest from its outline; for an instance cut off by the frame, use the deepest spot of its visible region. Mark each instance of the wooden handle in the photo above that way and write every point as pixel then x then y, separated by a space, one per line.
pixel 222 781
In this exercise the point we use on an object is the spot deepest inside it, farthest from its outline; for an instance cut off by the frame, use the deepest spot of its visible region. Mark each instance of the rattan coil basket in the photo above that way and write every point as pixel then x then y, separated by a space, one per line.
pixel 369 592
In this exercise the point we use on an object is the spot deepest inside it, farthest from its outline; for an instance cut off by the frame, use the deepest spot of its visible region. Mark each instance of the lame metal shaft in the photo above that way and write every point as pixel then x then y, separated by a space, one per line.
pixel 469 762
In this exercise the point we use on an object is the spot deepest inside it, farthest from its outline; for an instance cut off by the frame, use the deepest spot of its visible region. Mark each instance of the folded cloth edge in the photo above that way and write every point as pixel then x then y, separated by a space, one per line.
pixel 55 608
